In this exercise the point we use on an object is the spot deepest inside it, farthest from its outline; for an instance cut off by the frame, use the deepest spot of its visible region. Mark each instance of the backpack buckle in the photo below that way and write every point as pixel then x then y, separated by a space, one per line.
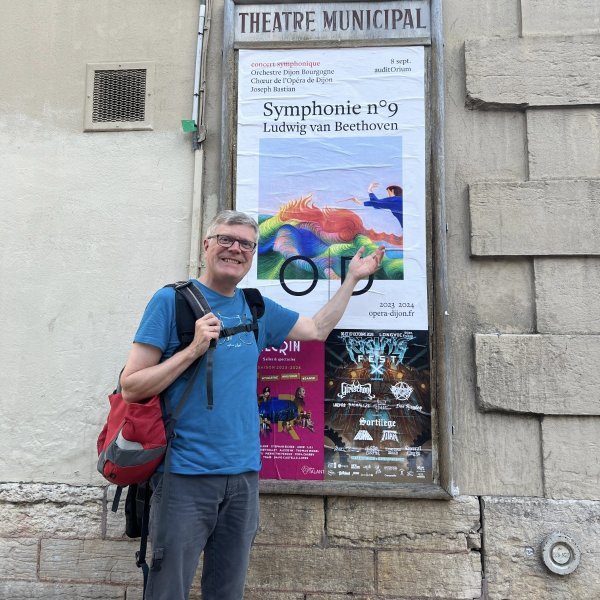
pixel 170 428
pixel 139 562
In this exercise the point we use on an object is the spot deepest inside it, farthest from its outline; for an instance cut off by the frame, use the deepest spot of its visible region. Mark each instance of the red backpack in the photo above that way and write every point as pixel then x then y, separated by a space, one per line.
pixel 133 441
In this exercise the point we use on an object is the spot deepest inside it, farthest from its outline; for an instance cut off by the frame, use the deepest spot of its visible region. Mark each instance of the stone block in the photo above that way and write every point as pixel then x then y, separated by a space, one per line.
pixel 19 558
pixel 535 218
pixel 415 525
pixel 503 152
pixel 250 595
pixel 331 597
pixel 58 493
pixel 533 71
pixel 468 157
pixel 115 522
pixel 89 560
pixel 571 447
pixel 429 575
pixel 514 466
pixel 295 569
pixel 136 593
pixel 21 590
pixel 114 528
pixel 496 453
pixel 491 19
pixel 541 374
pixel 57 510
pixel 563 144
pixel 480 304
pixel 280 515
pixel 567 291
pixel 514 531
pixel 567 17
pixel 473 159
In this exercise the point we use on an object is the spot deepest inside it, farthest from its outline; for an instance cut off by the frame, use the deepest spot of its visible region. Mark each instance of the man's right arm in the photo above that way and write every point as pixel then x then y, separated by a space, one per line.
pixel 145 376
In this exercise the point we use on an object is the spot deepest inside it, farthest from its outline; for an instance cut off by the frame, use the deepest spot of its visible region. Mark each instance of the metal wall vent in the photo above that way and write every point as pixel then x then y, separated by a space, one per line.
pixel 119 96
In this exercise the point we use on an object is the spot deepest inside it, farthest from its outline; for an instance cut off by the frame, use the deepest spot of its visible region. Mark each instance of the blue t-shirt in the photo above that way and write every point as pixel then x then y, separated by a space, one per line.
pixel 224 440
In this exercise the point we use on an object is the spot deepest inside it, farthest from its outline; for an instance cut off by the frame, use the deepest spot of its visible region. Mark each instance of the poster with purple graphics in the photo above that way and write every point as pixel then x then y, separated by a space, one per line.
pixel 331 158
pixel 290 406
pixel 378 407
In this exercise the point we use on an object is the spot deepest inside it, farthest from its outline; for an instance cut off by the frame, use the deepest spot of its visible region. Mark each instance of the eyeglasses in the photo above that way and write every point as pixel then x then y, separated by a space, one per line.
pixel 227 241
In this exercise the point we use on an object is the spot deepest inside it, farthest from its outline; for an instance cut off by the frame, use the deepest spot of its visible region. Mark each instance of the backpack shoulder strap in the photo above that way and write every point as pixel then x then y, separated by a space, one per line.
pixel 190 305
pixel 256 303
pixel 194 297
pixel 255 298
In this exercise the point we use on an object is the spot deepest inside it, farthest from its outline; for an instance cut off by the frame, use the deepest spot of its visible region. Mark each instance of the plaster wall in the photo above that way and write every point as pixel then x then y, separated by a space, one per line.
pixel 92 223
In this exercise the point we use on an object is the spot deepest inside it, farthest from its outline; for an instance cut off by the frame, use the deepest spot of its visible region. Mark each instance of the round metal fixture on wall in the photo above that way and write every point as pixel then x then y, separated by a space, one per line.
pixel 561 553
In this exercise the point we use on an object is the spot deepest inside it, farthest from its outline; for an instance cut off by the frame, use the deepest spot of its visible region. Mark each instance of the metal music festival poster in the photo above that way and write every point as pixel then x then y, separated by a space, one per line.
pixel 331 158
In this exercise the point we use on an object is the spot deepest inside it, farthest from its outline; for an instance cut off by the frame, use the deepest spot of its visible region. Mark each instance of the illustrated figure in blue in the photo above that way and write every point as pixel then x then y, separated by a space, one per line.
pixel 392 202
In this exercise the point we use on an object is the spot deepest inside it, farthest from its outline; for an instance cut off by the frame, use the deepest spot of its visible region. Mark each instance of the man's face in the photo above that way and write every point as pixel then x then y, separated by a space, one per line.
pixel 233 263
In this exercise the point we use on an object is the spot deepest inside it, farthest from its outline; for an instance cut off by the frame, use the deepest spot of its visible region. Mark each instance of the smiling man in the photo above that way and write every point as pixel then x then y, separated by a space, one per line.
pixel 212 500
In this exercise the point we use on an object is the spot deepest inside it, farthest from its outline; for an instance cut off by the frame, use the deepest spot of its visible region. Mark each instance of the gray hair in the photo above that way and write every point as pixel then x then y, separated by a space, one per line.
pixel 231 217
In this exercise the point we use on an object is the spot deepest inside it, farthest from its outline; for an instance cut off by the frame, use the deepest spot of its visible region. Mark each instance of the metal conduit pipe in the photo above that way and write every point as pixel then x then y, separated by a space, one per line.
pixel 204 13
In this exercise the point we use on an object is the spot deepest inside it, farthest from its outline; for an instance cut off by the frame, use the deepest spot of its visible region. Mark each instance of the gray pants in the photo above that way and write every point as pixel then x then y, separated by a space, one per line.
pixel 214 513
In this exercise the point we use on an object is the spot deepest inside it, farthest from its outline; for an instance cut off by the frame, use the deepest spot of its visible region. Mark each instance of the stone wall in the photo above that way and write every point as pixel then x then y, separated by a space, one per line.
pixel 532 94
pixel 63 542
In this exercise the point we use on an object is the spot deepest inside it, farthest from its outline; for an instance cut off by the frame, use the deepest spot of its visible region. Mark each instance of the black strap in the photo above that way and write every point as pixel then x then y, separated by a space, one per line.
pixel 117 498
pixel 210 361
pixel 256 303
pixel 229 331
pixel 172 418
pixel 190 305
pixel 140 556
pixel 194 297
pixel 197 302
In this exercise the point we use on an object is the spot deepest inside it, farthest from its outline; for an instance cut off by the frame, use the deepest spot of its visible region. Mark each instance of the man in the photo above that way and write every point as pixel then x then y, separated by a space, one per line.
pixel 212 501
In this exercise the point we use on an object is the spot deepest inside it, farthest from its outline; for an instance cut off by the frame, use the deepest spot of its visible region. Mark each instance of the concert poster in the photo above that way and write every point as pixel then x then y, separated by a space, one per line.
pixel 330 159
pixel 378 406
pixel 290 407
